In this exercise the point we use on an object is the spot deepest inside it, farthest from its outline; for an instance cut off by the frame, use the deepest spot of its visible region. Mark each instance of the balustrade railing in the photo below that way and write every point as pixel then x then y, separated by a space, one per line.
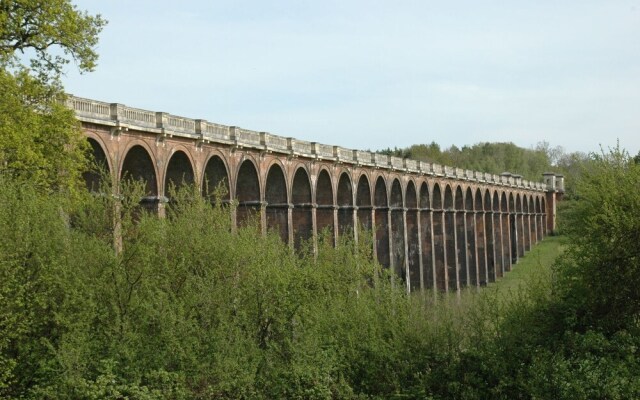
pixel 118 114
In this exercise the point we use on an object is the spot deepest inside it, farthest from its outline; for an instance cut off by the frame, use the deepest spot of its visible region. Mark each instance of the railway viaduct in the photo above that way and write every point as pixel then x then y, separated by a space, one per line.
pixel 437 227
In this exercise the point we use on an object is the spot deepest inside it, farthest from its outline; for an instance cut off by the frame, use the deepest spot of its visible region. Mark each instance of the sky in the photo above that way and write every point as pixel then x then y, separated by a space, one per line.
pixel 378 74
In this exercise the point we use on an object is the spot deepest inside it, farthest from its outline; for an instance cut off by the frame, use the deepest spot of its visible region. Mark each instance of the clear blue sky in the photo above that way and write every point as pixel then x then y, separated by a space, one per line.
pixel 376 74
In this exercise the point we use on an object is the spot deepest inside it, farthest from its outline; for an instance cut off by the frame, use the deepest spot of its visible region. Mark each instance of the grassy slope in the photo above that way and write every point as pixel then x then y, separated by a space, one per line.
pixel 535 265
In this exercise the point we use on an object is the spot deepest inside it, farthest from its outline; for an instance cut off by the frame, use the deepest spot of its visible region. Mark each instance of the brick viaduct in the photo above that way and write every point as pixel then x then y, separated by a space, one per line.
pixel 437 227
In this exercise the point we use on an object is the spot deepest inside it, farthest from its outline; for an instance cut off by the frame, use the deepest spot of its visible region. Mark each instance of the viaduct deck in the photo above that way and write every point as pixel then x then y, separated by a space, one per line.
pixel 437 227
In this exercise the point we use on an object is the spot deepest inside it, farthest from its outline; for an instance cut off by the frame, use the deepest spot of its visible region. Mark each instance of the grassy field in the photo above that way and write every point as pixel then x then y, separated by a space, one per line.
pixel 534 266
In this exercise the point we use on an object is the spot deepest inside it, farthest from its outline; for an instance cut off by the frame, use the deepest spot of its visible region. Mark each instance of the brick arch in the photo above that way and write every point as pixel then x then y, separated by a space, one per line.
pixel 301 186
pixel 413 237
pixel 458 198
pixel 178 172
pixel 324 188
pixel 468 199
pixel 396 197
pixel 381 204
pixel 325 200
pixel 344 201
pixel 477 201
pixel 480 233
pixel 411 195
pixel 531 204
pixel 448 197
pixel 215 174
pixel 247 191
pixel 101 165
pixel 381 197
pixel 425 200
pixel 364 201
pixel 396 203
pixel 437 197
pixel 487 200
pixel 276 200
pixel 301 217
pixel 137 164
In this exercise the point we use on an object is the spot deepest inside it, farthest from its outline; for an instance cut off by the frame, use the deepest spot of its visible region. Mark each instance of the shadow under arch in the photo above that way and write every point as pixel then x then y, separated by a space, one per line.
pixel 439 239
pixel 413 237
pixel 363 202
pixel 179 173
pixel 99 167
pixel 325 206
pixel 470 249
pixel 277 206
pixel 301 215
pixel 138 166
pixel 426 214
pixel 382 222
pixel 488 233
pixel 215 180
pixel 344 198
pixel 247 193
pixel 397 230
pixel 480 239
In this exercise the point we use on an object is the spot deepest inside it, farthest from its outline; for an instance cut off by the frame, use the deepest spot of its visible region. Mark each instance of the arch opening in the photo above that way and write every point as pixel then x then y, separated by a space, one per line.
pixel 382 223
pixel 277 206
pixel 99 168
pixel 248 195
pixel 302 218
pixel 413 238
pixel 138 167
pixel 178 175
pixel 397 231
pixel 345 205
pixel 497 239
pixel 488 232
pixel 426 229
pixel 215 182
pixel 451 256
pixel 470 242
pixel 461 257
pixel 324 211
pixel 363 201
pixel 439 240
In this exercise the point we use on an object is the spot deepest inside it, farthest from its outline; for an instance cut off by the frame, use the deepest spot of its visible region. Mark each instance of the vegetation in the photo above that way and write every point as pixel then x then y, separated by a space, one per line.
pixel 40 140
pixel 497 158
pixel 189 308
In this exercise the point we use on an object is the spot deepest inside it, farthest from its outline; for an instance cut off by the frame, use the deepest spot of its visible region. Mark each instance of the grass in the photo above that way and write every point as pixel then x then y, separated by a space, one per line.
pixel 536 265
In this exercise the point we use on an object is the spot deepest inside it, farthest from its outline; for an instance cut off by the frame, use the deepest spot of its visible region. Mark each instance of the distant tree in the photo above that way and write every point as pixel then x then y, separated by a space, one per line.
pixel 40 139
pixel 487 157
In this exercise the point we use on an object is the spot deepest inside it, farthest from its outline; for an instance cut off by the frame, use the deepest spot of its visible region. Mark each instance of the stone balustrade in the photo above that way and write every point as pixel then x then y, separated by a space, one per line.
pixel 119 115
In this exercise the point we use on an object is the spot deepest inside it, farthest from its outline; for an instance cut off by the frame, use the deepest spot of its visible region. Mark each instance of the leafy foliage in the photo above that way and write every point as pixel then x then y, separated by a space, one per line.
pixel 40 140
pixel 602 269
pixel 50 33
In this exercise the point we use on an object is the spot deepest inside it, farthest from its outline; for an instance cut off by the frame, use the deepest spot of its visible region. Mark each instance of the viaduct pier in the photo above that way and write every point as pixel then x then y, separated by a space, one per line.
pixel 437 227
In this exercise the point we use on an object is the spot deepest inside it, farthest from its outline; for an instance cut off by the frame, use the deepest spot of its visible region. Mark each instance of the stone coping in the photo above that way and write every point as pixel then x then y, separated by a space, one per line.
pixel 162 123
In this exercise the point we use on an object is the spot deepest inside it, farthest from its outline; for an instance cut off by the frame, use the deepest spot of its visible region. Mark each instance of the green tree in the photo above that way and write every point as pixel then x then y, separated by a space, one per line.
pixel 40 139
pixel 601 272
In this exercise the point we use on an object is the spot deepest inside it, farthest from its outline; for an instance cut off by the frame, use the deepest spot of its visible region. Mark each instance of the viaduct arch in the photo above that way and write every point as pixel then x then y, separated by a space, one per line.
pixel 436 227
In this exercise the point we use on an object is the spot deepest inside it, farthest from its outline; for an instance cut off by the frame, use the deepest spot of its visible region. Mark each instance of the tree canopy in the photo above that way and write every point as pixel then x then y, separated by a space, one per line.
pixel 40 139
pixel 45 35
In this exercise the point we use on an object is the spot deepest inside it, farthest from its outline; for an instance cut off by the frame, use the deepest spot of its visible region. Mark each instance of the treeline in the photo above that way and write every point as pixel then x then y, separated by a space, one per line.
pixel 100 299
pixel 497 158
